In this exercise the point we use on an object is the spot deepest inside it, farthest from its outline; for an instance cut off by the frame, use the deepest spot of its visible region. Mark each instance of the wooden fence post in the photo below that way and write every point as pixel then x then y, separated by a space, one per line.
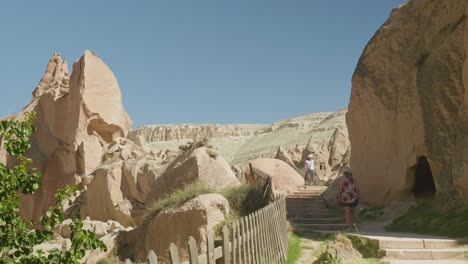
pixel 174 254
pixel 152 258
pixel 234 243
pixel 239 242
pixel 210 248
pixel 193 252
pixel 226 247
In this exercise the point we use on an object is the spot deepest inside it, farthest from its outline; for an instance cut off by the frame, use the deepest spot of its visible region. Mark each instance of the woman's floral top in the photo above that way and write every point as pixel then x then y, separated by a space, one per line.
pixel 348 191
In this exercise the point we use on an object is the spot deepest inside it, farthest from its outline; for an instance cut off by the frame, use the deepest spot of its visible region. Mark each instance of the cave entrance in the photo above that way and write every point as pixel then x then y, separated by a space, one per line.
pixel 423 181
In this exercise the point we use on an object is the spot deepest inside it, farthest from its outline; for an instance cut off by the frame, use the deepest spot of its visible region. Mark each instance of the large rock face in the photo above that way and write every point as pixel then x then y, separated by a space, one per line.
pixel 409 100
pixel 76 115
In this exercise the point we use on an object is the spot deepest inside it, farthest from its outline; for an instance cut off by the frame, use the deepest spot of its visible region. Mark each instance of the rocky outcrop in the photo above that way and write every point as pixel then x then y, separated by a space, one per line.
pixel 122 187
pixel 239 144
pixel 107 232
pixel 409 102
pixel 76 115
pixel 175 225
pixel 283 155
pixel 196 164
pixel 194 132
pixel 284 178
pixel 338 145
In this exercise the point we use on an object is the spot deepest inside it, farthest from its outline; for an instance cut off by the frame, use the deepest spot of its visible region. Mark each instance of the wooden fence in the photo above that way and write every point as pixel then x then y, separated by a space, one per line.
pixel 259 238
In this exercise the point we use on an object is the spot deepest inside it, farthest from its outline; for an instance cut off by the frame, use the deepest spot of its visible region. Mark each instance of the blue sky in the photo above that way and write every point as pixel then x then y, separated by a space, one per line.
pixel 204 61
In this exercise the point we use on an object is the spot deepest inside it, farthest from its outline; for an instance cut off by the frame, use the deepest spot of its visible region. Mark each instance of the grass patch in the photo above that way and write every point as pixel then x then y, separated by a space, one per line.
pixel 367 247
pixel 178 197
pixel 444 216
pixel 243 200
pixel 294 248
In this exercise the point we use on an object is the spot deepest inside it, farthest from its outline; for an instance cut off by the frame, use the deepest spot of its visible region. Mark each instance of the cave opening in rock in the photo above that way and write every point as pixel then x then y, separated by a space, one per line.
pixel 423 181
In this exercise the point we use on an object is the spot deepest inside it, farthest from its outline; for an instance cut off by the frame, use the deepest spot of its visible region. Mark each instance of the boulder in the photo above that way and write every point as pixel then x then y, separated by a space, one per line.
pixel 195 164
pixel 284 177
pixel 175 225
pixel 409 103
pixel 76 115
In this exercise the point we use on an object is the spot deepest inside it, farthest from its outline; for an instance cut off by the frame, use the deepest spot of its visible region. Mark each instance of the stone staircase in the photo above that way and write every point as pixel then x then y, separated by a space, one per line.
pixel 430 248
pixel 307 211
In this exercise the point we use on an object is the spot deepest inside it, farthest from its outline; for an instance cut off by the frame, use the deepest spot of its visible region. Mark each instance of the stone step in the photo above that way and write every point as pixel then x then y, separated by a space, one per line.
pixel 306 208
pixel 309 212
pixel 327 220
pixel 303 199
pixel 303 196
pixel 418 243
pixel 310 216
pixel 423 253
pixel 306 203
pixel 320 226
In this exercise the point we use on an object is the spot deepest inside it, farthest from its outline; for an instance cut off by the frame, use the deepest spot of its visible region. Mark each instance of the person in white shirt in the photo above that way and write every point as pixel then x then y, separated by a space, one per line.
pixel 309 168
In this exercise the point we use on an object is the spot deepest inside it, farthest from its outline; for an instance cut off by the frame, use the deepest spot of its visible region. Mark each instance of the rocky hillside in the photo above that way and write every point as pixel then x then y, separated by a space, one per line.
pixel 241 143
pixel 407 116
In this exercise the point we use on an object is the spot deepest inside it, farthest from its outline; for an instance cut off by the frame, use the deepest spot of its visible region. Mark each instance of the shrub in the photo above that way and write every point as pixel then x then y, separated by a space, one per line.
pixel 178 197
pixel 18 236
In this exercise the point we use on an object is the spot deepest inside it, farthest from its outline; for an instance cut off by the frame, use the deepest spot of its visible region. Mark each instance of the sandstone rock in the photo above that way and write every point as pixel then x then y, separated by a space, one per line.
pixel 331 194
pixel 284 177
pixel 75 114
pixel 104 199
pixel 198 164
pixel 296 155
pixel 409 102
pixel 123 185
pixel 281 154
pixel 194 218
pixel 337 147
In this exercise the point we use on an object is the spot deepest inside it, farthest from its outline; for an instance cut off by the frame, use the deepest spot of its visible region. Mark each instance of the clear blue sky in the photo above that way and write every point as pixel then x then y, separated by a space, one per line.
pixel 204 61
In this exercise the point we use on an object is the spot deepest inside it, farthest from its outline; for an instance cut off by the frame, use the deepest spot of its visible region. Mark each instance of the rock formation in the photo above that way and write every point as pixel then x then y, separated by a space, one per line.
pixel 284 178
pixel 239 144
pixel 122 187
pixel 283 155
pixel 76 115
pixel 409 103
pixel 197 164
pixel 194 218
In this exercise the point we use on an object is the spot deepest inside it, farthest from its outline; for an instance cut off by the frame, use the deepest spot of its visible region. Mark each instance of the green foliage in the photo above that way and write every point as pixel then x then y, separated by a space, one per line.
pixel 328 258
pixel 367 247
pixel 178 197
pixel 17 236
pixel 244 199
pixel 444 216
pixel 294 248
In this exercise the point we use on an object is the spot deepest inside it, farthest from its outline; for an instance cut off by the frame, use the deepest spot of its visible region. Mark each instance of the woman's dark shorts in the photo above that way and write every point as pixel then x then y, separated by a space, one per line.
pixel 353 204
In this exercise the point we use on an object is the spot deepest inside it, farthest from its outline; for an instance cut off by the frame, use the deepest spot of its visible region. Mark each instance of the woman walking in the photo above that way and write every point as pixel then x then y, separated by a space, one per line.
pixel 348 197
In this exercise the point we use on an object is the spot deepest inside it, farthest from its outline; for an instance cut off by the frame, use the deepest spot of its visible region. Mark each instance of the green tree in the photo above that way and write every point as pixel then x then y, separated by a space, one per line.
pixel 19 236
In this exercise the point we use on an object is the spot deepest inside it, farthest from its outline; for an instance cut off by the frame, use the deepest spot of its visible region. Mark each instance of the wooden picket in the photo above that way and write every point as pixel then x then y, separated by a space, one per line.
pixel 259 238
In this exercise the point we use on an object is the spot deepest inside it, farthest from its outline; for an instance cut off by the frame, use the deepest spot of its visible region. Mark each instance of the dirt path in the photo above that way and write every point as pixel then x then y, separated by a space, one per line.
pixel 308 247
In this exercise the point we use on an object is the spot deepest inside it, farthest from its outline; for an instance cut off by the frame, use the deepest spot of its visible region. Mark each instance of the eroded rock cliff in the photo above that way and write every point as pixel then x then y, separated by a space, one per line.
pixel 409 103
pixel 76 115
